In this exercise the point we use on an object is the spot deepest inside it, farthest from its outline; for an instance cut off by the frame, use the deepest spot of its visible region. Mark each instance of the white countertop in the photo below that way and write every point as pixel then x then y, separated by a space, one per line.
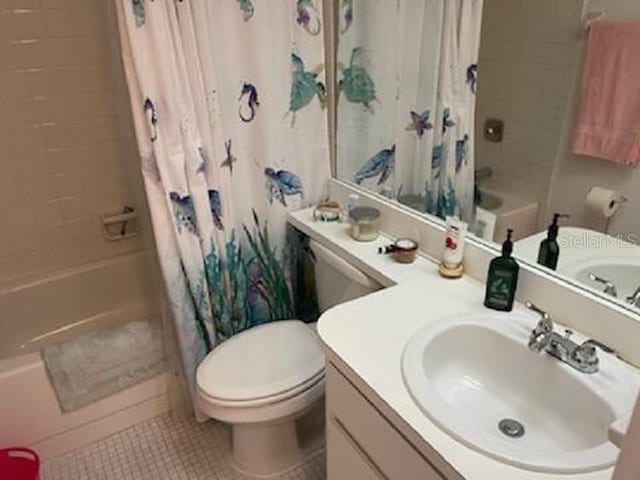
pixel 369 334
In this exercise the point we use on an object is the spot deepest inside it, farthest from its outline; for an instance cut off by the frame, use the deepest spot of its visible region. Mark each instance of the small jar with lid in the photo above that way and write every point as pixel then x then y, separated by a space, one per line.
pixel 364 223
pixel 404 250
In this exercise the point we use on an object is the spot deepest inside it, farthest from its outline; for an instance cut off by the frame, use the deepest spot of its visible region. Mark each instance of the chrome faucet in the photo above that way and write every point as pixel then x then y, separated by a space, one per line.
pixel 634 300
pixel 583 357
pixel 609 287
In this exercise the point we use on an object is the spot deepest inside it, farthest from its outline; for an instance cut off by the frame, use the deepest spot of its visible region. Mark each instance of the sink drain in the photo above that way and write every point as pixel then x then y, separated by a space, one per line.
pixel 511 428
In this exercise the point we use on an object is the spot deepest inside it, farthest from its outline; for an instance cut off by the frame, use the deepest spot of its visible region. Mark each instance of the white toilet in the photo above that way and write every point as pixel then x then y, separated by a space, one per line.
pixel 264 379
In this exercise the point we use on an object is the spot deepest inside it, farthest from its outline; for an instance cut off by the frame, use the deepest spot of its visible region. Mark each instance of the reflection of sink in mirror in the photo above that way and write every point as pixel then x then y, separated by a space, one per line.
pixel 584 251
pixel 465 373
pixel 621 273
pixel 511 212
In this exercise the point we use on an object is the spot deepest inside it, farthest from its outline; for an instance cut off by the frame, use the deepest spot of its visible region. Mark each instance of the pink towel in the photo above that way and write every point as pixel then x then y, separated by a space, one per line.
pixel 608 122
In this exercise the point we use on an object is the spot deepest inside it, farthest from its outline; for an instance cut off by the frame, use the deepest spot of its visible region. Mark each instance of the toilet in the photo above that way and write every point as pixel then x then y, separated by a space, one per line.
pixel 263 380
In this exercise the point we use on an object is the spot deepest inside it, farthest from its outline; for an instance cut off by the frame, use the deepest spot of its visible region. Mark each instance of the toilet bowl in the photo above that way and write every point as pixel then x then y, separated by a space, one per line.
pixel 264 379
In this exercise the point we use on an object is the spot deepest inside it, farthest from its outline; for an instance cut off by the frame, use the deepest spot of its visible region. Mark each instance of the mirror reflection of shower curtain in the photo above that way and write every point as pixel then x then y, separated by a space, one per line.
pixel 407 74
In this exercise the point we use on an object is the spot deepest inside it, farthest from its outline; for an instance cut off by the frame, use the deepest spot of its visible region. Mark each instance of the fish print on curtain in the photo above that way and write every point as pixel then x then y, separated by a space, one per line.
pixel 229 142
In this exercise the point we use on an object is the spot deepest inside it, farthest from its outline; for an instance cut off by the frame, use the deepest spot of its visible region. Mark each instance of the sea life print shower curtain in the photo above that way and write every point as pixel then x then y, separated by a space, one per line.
pixel 228 100
pixel 407 74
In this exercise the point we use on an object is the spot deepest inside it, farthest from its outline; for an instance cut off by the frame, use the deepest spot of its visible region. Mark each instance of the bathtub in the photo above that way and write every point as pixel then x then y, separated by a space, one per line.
pixel 513 212
pixel 57 307
pixel 65 304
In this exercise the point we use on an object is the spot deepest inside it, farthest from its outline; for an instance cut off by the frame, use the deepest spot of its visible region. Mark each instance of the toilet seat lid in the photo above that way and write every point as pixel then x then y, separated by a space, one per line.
pixel 262 362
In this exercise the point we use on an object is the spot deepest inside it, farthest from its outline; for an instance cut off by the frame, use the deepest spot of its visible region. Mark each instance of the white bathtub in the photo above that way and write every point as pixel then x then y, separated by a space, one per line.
pixel 57 307
pixel 65 304
pixel 511 212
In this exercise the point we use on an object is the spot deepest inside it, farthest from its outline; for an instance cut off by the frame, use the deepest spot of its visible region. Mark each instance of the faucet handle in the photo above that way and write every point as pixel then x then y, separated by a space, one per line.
pixel 634 299
pixel 545 316
pixel 595 343
pixel 587 354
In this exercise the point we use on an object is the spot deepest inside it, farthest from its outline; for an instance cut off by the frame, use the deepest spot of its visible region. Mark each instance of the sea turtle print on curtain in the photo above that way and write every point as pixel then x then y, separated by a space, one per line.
pixel 356 83
pixel 381 163
pixel 223 179
pixel 304 87
pixel 282 183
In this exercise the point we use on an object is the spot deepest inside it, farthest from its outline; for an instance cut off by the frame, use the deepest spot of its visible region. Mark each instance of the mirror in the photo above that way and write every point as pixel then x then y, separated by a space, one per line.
pixel 470 108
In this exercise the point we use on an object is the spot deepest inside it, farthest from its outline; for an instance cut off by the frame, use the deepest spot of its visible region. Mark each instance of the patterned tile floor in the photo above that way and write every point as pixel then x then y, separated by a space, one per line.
pixel 164 448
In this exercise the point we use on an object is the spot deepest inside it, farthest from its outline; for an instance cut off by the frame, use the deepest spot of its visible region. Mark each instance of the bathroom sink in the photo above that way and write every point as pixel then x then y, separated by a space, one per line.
pixel 622 272
pixel 475 378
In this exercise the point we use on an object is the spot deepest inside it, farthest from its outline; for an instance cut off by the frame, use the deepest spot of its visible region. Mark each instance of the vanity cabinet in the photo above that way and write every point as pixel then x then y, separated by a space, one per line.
pixel 362 443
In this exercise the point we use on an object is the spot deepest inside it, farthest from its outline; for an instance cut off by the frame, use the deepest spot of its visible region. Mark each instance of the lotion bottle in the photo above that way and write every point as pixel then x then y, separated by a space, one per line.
pixel 549 249
pixel 502 279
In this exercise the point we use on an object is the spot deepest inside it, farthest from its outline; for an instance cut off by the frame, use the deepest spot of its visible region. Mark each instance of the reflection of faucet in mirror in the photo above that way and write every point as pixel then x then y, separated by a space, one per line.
pixel 634 299
pixel 483 173
pixel 609 287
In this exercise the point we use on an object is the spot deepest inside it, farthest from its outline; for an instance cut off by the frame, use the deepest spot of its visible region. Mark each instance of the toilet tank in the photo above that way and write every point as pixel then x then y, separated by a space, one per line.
pixel 338 281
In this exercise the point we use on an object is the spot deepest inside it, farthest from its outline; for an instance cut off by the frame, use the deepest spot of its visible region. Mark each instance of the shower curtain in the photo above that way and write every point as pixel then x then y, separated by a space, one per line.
pixel 406 104
pixel 228 103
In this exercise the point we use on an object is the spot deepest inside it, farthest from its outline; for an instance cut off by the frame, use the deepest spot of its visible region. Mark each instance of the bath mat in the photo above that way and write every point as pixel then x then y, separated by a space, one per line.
pixel 102 363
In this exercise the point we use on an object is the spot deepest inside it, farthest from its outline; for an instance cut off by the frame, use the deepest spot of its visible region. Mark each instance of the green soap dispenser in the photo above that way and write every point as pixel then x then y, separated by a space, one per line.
pixel 502 279
pixel 549 248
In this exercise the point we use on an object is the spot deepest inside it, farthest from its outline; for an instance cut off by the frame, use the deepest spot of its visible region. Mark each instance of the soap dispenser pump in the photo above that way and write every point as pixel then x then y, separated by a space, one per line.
pixel 549 249
pixel 502 279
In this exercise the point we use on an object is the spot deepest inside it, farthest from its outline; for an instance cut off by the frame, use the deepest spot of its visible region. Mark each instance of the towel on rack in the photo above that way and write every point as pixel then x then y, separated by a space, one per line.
pixel 608 121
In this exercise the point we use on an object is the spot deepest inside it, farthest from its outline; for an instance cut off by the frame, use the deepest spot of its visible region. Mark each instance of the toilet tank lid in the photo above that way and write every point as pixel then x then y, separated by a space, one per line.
pixel 322 253
pixel 262 362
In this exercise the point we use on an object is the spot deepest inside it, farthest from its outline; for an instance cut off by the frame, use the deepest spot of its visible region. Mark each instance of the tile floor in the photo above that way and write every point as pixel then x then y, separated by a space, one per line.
pixel 164 448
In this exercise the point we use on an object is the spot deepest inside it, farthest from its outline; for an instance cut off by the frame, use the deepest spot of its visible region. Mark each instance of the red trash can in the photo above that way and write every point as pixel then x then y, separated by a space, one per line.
pixel 19 463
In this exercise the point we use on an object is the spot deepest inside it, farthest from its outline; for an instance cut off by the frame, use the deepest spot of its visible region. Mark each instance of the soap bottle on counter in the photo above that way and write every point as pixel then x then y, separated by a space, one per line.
pixel 549 248
pixel 502 279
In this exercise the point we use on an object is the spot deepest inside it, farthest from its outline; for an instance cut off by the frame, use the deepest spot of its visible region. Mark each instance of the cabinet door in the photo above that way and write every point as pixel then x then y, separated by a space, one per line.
pixel 394 457
pixel 345 458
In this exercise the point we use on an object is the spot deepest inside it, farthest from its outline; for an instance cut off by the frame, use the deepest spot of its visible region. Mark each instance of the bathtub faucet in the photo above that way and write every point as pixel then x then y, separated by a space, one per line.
pixel 483 173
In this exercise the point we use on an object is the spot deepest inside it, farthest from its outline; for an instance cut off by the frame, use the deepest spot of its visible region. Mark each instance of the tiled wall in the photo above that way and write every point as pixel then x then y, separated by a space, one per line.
pixel 528 55
pixel 67 155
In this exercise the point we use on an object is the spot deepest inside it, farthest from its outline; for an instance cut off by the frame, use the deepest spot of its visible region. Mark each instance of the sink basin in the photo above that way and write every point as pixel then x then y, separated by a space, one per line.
pixel 623 272
pixel 473 374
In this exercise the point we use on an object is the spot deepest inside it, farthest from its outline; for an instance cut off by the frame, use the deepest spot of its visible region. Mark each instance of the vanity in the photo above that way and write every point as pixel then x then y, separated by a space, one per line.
pixel 401 402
